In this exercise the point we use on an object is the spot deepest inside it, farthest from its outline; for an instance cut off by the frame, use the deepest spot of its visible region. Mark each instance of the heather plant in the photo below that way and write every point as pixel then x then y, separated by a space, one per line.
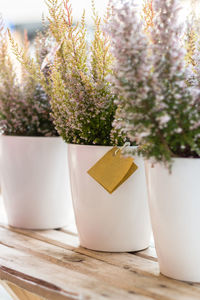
pixel 24 106
pixel 191 36
pixel 82 99
pixel 190 44
pixel 157 108
pixel 10 94
pixel 148 14
pixel 193 50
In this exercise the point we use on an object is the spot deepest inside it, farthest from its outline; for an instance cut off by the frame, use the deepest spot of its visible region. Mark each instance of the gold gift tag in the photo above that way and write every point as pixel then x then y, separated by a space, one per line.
pixel 113 169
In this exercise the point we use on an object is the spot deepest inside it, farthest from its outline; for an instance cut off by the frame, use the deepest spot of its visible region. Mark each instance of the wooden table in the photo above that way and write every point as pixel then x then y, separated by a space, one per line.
pixel 51 265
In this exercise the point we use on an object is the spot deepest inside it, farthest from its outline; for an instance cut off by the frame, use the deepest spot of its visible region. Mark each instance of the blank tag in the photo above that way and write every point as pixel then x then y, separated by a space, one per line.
pixel 113 169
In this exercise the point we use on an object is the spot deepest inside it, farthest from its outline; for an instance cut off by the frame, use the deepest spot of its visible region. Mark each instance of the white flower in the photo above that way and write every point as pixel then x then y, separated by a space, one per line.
pixel 164 119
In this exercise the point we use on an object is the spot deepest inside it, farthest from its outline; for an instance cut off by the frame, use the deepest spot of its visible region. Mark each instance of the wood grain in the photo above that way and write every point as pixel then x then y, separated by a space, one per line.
pixel 44 275
pixel 18 293
pixel 85 273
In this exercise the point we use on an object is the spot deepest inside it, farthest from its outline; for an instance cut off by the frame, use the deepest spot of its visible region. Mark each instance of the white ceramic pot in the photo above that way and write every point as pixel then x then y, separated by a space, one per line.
pixel 35 182
pixel 114 222
pixel 174 201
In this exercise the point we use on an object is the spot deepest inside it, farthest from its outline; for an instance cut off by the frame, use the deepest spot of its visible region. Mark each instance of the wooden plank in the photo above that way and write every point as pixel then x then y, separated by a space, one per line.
pixel 71 228
pixel 129 278
pixel 52 281
pixel 68 231
pixel 55 237
pixel 149 253
pixel 33 285
pixel 18 293
pixel 123 260
pixel 70 241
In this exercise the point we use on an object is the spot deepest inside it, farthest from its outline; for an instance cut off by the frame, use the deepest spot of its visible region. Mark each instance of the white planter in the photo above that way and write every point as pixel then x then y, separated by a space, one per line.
pixel 174 201
pixel 35 182
pixel 114 222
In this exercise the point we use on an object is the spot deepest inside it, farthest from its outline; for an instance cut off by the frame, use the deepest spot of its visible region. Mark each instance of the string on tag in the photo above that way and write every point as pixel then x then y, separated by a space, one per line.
pixel 127 144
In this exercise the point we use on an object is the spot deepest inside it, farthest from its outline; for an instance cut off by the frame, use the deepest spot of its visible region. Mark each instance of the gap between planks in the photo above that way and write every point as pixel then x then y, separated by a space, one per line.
pixel 149 253
pixel 18 293
pixel 165 284
pixel 29 284
pixel 36 272
pixel 100 289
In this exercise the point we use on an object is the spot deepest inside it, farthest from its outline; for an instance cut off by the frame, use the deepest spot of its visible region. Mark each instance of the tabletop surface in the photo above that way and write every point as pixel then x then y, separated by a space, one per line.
pixel 52 265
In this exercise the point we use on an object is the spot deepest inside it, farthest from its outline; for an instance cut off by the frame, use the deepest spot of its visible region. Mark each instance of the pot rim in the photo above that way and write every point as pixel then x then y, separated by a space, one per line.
pixel 29 137
pixel 174 159
pixel 70 144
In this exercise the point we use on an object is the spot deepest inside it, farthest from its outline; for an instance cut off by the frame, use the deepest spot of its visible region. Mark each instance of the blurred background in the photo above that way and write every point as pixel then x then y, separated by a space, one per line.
pixel 23 14
pixel 27 14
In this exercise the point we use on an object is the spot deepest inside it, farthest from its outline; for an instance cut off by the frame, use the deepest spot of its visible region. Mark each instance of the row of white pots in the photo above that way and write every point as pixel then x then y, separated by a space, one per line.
pixel 36 192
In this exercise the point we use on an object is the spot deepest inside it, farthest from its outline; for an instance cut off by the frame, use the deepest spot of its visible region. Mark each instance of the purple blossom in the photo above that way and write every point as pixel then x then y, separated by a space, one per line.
pixel 156 107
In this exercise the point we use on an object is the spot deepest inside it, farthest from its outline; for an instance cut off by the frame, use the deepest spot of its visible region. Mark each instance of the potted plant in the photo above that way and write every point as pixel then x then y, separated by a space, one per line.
pixel 34 172
pixel 161 111
pixel 83 111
